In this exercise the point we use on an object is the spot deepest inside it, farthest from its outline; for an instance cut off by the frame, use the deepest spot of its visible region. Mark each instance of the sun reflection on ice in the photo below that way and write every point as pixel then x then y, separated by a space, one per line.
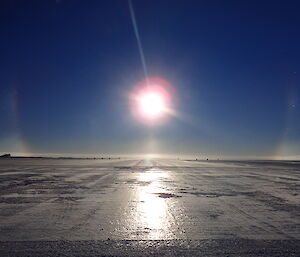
pixel 153 209
pixel 152 213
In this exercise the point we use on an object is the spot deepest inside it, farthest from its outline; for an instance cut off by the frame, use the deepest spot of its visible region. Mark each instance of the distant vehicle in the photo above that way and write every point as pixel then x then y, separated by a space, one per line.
pixel 7 155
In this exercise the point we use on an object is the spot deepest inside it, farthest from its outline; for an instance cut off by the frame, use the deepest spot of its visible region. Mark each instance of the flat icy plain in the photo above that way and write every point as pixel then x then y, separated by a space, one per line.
pixel 150 207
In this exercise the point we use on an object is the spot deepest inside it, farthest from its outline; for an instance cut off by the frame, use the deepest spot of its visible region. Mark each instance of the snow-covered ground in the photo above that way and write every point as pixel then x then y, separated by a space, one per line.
pixel 148 199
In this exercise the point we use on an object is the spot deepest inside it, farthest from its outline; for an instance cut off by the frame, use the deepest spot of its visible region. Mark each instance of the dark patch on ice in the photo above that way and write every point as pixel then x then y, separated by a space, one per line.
pixel 138 182
pixel 208 194
pixel 144 183
pixel 167 195
pixel 123 168
pixel 67 199
pixel 274 202
pixel 20 200
pixel 215 214
pixel 140 232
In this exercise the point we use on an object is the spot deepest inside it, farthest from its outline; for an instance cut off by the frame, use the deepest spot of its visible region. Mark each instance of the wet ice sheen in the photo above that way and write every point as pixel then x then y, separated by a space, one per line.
pixel 148 199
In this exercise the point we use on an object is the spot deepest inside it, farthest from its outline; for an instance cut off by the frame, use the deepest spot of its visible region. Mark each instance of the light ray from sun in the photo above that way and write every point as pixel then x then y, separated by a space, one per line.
pixel 138 39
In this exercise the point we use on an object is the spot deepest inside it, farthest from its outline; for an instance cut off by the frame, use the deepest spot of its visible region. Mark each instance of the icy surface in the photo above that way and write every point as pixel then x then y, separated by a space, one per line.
pixel 175 200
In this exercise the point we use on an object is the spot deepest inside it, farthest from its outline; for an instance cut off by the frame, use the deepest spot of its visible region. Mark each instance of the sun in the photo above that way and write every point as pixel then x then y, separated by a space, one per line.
pixel 151 101
pixel 152 104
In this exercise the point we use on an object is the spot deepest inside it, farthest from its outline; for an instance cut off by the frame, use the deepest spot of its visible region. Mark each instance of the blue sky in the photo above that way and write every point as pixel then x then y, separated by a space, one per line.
pixel 67 68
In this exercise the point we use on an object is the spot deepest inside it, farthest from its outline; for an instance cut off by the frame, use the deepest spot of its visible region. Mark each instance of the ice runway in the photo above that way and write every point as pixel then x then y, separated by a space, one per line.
pixel 149 207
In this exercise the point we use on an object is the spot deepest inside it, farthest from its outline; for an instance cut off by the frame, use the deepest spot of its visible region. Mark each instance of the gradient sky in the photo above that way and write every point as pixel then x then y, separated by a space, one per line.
pixel 68 66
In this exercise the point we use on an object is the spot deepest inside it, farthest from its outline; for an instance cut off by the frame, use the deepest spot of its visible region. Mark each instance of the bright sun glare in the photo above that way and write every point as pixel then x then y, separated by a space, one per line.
pixel 151 101
pixel 152 104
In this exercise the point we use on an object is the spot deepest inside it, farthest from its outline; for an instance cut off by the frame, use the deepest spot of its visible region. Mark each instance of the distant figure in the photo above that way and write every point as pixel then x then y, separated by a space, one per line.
pixel 207 159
